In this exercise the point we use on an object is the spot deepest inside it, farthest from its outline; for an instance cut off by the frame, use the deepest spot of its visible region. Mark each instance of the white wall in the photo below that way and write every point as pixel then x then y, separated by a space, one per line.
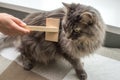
pixel 109 9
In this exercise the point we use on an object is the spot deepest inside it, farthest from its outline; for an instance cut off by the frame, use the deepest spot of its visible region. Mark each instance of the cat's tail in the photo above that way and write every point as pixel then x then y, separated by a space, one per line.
pixel 9 41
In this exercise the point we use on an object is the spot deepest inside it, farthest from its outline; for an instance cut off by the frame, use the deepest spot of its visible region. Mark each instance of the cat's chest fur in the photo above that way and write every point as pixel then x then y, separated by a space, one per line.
pixel 68 46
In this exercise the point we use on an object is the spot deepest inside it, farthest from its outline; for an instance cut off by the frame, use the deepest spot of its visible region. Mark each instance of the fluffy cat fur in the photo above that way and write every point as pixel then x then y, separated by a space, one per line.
pixel 82 31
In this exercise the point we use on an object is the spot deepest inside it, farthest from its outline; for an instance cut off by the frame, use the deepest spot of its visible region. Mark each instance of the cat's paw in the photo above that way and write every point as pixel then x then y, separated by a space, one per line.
pixel 82 75
pixel 27 66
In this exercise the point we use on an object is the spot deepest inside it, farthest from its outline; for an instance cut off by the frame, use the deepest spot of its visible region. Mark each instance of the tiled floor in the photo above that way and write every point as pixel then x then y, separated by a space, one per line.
pixel 97 67
pixel 4 63
pixel 16 72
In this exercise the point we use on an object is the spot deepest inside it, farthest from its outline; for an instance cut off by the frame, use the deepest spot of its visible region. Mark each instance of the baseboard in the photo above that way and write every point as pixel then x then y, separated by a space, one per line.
pixel 112 37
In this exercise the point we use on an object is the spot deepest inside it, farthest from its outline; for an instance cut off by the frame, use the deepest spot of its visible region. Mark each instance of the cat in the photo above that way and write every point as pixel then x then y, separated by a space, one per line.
pixel 82 31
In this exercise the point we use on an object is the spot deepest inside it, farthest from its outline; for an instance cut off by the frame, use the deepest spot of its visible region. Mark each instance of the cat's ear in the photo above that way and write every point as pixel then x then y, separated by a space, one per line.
pixel 87 18
pixel 66 5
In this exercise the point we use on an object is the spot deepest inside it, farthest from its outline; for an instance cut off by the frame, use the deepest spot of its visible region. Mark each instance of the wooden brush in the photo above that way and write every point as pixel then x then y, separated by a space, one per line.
pixel 51 29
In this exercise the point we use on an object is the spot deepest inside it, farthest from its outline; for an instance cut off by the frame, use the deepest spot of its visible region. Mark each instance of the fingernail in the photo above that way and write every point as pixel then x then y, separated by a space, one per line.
pixel 24 23
pixel 28 31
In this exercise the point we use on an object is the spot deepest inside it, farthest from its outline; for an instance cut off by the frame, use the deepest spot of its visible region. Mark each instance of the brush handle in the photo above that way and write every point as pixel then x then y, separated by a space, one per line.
pixel 42 28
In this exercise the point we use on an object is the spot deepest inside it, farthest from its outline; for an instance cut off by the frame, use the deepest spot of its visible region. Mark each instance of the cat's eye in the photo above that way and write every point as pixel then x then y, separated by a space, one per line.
pixel 77 29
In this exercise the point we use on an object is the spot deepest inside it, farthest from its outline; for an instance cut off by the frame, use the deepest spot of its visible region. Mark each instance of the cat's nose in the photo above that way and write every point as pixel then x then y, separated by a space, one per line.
pixel 70 37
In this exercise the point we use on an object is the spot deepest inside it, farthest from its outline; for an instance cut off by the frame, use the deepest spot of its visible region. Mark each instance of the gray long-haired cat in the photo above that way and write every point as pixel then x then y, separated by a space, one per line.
pixel 82 31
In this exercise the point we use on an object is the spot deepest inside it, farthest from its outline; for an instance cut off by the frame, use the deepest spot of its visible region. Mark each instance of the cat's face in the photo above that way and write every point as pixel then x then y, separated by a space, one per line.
pixel 77 22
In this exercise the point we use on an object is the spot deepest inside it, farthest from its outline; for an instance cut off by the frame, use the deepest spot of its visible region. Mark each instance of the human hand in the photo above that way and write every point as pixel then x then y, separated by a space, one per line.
pixel 10 25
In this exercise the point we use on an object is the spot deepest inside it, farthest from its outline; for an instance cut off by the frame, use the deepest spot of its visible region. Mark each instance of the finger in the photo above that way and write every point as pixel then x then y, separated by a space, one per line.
pixel 18 21
pixel 18 28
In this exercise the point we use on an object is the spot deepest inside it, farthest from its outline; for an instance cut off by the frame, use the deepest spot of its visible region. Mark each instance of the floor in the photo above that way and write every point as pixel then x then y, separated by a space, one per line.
pixel 97 67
